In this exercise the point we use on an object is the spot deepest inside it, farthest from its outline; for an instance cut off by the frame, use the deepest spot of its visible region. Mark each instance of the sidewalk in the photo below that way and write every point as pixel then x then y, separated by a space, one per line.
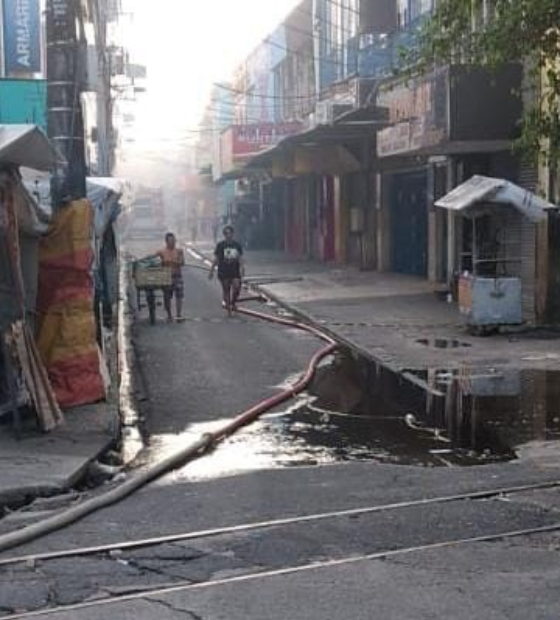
pixel 395 319
pixel 46 464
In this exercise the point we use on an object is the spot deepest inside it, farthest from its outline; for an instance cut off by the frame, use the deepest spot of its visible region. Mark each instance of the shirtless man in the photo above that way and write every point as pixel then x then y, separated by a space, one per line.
pixel 174 258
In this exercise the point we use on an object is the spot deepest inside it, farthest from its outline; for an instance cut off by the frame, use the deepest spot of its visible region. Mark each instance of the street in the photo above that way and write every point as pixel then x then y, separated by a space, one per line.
pixel 201 372
pixel 279 310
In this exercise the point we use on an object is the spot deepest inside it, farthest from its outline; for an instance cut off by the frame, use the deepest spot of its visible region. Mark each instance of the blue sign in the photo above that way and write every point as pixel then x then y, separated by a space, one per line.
pixel 22 37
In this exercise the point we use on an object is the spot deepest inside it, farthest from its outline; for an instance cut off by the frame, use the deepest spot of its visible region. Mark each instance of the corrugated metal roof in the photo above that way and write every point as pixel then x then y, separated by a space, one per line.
pixel 480 189
pixel 27 145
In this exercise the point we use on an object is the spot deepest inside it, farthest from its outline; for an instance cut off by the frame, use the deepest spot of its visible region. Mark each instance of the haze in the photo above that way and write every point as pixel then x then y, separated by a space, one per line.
pixel 186 45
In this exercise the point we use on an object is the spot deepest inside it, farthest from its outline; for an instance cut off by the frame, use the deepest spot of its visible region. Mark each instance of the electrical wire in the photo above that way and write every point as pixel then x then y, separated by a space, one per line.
pixel 268 41
pixel 238 91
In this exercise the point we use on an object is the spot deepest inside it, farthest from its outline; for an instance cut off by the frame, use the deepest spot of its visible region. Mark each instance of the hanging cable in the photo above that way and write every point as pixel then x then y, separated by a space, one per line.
pixel 238 91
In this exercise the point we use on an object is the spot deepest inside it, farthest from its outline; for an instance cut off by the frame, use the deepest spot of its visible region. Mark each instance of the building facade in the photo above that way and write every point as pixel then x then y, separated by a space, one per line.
pixel 358 182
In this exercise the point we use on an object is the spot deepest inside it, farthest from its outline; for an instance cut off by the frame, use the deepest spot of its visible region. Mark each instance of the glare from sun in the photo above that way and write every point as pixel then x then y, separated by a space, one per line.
pixel 187 45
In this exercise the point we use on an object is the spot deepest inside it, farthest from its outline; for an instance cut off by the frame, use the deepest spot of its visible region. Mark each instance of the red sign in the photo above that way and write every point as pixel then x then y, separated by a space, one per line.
pixel 242 142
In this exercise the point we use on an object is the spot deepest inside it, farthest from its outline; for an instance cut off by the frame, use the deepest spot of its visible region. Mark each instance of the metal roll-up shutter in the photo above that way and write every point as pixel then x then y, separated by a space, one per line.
pixel 528 179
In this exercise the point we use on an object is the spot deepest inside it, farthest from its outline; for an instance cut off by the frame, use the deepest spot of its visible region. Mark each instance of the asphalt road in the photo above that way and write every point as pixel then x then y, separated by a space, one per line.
pixel 202 372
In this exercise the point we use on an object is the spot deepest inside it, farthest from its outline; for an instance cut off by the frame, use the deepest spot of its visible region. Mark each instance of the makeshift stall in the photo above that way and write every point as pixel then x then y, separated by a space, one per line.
pixel 497 249
pixel 66 334
pixel 23 378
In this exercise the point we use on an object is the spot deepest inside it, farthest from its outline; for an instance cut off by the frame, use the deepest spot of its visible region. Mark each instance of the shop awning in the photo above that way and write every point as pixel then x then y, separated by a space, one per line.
pixel 27 145
pixel 480 189
pixel 321 149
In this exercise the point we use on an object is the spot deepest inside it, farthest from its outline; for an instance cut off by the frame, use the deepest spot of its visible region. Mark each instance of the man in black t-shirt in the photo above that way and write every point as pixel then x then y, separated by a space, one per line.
pixel 228 258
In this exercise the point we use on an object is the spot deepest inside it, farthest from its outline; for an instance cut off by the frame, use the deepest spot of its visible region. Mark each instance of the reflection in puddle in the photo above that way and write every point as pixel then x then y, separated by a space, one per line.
pixel 365 412
pixel 491 412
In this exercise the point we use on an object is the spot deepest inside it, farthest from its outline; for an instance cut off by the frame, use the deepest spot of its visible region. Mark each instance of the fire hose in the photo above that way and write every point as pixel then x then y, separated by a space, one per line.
pixel 195 450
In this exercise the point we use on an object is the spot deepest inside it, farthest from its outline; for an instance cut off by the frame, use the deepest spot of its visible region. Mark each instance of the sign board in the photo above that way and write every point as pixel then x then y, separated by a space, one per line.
pixel 242 142
pixel 418 110
pixel 22 37
pixel 61 20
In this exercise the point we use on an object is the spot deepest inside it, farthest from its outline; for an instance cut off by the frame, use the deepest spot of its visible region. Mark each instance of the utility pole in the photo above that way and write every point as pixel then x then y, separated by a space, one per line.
pixel 65 78
pixel 105 138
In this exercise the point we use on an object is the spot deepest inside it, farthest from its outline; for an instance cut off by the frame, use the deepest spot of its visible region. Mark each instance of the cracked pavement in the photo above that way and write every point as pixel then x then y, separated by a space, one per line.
pixel 200 372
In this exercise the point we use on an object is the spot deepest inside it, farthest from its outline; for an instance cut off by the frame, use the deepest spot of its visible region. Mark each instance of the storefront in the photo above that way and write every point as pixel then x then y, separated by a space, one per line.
pixel 322 173
pixel 444 127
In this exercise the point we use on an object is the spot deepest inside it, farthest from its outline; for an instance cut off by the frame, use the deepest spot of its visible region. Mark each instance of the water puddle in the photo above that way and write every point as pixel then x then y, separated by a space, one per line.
pixel 363 412
pixel 493 412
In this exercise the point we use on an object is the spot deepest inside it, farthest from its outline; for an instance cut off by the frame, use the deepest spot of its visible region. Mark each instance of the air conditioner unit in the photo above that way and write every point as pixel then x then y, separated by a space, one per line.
pixel 322 113
pixel 326 112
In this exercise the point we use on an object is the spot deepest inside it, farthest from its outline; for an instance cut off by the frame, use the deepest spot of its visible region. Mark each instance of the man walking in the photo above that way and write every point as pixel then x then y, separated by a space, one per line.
pixel 228 258
pixel 174 258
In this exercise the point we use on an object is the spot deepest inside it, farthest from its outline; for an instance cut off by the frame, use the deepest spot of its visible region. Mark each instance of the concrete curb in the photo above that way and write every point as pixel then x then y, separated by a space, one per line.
pixel 128 388
pixel 353 346
pixel 48 465
pixel 309 318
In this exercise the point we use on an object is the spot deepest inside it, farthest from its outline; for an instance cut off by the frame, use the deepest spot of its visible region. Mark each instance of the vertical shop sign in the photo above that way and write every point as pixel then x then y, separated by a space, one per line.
pixel 22 37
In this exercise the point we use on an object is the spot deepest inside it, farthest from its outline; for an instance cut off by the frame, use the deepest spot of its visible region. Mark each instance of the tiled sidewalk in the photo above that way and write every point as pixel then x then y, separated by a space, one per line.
pixel 396 319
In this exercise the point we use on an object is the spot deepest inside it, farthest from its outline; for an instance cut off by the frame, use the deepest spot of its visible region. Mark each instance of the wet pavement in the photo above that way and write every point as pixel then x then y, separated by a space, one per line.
pixel 355 410
pixel 401 321
pixel 388 420
pixel 372 427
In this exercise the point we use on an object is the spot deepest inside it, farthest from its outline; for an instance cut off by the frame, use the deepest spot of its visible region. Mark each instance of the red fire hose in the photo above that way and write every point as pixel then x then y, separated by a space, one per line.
pixel 265 405
pixel 191 452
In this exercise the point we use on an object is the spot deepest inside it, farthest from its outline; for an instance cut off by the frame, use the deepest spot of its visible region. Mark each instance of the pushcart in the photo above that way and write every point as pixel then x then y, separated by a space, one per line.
pixel 150 278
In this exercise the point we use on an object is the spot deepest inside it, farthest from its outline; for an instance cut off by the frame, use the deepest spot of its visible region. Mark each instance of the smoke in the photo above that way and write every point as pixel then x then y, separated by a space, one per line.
pixel 186 46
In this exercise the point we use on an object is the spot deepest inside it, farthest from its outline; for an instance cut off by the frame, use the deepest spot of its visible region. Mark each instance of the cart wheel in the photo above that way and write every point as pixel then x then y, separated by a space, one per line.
pixel 151 300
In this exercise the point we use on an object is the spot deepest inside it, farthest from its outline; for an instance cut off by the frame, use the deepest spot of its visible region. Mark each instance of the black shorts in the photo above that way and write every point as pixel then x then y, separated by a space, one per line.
pixel 229 276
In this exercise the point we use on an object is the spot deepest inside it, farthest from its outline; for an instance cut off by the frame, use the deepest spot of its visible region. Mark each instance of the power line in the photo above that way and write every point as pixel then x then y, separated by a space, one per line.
pixel 261 96
pixel 339 63
pixel 231 113
pixel 269 41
